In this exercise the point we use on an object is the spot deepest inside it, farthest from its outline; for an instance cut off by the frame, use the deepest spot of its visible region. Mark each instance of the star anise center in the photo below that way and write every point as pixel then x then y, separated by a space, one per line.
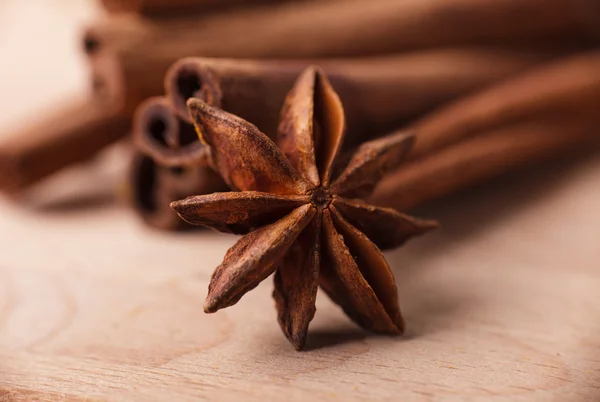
pixel 321 198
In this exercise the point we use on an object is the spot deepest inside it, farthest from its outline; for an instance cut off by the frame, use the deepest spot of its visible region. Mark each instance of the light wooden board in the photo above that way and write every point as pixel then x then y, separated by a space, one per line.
pixel 501 303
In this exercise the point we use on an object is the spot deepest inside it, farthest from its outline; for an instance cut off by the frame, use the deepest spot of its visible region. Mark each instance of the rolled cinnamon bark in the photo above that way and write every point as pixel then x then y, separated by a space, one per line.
pixel 377 93
pixel 527 118
pixel 167 139
pixel 143 49
pixel 356 27
pixel 565 88
pixel 482 157
pixel 153 185
pixel 72 135
pixel 168 7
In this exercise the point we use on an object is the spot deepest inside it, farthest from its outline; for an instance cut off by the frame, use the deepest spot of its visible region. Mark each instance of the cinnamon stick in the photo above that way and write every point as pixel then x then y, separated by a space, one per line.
pixel 355 27
pixel 511 124
pixel 482 157
pixel 72 135
pixel 168 7
pixel 568 87
pixel 153 185
pixel 167 139
pixel 377 93
pixel 143 49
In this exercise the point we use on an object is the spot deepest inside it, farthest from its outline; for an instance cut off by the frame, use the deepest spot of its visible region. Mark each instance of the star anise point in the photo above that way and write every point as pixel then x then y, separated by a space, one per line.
pixel 210 305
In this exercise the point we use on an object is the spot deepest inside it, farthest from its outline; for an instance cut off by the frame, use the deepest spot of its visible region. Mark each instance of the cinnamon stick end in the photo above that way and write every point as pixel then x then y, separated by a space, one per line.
pixel 188 78
pixel 91 43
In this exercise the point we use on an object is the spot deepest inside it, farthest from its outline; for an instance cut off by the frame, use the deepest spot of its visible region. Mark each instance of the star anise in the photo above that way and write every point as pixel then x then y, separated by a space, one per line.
pixel 299 219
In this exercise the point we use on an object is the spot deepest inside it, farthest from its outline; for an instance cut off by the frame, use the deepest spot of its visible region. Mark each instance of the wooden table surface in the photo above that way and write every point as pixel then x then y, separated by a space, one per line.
pixel 501 303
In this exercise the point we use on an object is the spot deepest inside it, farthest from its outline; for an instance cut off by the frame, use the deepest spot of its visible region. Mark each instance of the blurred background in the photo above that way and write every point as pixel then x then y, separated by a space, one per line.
pixel 40 44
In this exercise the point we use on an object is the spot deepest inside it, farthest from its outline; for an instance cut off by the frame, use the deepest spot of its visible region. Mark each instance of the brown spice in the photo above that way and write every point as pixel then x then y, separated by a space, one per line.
pixel 163 136
pixel 483 156
pixel 153 185
pixel 142 49
pixel 161 8
pixel 568 87
pixel 351 28
pixel 378 93
pixel 298 218
pixel 536 115
pixel 73 134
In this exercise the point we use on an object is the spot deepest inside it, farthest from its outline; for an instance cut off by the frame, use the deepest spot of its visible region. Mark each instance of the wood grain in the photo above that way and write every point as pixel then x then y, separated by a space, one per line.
pixel 501 302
